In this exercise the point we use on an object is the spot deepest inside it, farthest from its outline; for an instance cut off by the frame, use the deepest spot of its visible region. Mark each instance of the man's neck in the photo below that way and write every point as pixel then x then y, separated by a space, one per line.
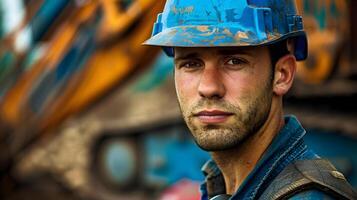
pixel 235 164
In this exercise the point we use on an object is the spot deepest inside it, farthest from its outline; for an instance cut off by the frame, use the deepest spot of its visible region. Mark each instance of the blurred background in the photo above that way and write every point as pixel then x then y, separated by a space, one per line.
pixel 86 112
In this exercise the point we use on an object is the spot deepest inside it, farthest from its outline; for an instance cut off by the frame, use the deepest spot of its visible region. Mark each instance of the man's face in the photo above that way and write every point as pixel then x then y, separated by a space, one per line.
pixel 225 94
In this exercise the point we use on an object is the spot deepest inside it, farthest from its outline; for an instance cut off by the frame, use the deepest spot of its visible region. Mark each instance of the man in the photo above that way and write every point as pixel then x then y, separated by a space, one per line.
pixel 234 61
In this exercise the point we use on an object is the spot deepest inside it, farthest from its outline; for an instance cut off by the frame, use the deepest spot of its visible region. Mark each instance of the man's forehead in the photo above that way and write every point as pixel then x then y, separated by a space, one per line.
pixel 199 51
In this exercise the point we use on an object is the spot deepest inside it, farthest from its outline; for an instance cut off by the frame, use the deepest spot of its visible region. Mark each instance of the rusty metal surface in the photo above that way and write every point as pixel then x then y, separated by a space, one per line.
pixel 328 26
pixel 326 120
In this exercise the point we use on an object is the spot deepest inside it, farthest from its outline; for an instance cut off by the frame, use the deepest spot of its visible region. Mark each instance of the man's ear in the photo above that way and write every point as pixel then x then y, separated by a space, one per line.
pixel 285 70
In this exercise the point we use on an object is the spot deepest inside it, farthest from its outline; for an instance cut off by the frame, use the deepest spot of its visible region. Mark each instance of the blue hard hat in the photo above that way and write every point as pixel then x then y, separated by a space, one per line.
pixel 224 23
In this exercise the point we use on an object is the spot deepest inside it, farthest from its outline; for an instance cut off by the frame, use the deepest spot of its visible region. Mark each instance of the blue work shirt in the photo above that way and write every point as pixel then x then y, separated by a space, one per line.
pixel 287 147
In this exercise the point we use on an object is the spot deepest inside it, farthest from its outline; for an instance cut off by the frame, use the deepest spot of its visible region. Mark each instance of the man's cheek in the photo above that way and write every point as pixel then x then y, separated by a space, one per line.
pixel 183 94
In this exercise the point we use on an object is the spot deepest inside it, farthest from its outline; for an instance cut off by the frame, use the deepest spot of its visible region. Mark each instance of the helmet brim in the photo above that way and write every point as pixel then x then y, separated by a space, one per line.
pixel 219 36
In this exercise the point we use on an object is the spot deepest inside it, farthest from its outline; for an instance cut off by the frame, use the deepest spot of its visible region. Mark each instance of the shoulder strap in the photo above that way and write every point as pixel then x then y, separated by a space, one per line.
pixel 304 175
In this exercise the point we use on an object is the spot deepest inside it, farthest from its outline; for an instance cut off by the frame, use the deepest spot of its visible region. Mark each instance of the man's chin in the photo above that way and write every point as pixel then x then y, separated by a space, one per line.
pixel 216 147
pixel 218 138
pixel 218 143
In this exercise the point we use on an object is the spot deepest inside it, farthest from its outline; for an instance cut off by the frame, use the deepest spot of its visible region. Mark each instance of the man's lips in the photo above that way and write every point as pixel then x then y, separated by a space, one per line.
pixel 212 116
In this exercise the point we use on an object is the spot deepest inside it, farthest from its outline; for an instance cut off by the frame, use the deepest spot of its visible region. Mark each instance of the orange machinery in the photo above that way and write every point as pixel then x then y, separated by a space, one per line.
pixel 328 27
pixel 90 49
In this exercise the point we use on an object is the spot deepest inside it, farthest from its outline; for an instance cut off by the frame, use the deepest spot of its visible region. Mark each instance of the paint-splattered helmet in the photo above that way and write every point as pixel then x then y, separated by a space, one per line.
pixel 215 23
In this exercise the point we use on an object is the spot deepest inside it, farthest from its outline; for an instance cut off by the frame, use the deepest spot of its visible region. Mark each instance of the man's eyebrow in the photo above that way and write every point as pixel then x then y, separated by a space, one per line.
pixel 187 56
pixel 234 52
pixel 223 52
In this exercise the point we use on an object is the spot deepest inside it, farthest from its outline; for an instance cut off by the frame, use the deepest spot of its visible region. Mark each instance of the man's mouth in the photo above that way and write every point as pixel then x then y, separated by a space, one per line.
pixel 212 116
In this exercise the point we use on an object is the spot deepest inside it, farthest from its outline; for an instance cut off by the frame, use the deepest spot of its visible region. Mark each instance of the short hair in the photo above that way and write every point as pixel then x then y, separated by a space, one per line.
pixel 276 51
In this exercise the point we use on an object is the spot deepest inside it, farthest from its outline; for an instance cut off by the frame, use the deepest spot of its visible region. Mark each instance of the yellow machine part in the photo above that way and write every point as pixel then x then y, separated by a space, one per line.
pixel 108 65
pixel 12 105
pixel 324 42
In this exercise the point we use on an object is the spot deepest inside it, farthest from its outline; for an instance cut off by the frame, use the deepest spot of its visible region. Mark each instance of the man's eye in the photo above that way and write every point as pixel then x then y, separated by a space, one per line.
pixel 235 61
pixel 190 64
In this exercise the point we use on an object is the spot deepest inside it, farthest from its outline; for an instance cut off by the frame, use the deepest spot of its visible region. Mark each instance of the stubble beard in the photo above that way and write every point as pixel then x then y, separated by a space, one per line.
pixel 228 136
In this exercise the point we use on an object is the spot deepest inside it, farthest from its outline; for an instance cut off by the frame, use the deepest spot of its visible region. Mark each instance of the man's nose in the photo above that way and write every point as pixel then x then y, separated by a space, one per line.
pixel 211 85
